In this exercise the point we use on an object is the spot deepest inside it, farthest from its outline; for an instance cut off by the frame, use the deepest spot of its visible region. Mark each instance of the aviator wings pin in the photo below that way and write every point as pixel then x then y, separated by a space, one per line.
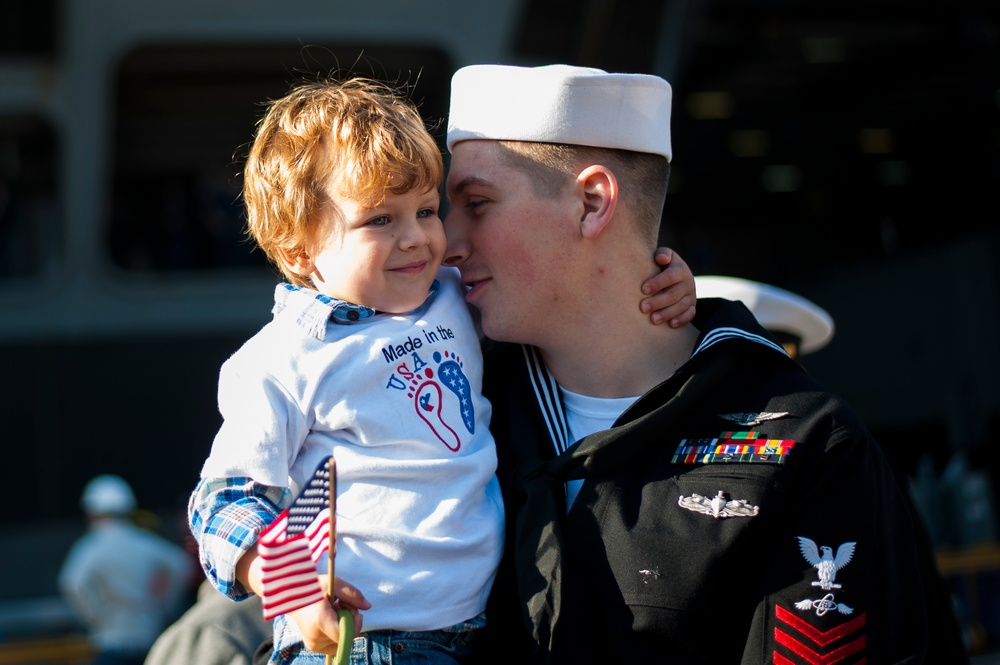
pixel 752 419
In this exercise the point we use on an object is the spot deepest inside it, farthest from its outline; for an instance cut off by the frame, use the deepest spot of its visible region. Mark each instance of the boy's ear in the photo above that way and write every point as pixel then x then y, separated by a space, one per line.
pixel 297 260
pixel 599 188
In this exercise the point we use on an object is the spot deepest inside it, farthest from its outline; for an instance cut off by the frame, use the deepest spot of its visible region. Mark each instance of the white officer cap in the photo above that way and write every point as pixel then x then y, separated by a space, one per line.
pixel 560 104
pixel 776 309
pixel 108 494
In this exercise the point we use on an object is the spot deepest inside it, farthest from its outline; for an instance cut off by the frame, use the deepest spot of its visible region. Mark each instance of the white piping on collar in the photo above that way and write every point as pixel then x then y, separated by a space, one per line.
pixel 547 390
pixel 547 394
pixel 720 334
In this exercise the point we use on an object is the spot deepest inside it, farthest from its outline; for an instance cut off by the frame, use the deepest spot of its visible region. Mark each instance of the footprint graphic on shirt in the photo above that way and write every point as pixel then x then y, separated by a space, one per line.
pixel 429 398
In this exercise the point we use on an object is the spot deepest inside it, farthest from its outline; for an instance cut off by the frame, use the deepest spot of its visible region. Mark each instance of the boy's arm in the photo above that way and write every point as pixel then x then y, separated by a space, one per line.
pixel 671 292
pixel 226 517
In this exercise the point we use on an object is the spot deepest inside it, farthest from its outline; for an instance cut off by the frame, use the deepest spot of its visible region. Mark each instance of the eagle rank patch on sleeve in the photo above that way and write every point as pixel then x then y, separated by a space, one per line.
pixel 840 635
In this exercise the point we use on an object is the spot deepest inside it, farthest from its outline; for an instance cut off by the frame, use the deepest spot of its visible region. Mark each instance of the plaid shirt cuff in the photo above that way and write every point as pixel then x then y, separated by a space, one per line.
pixel 226 517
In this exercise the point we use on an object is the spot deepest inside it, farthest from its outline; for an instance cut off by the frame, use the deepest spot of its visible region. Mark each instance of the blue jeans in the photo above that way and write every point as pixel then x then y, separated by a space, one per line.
pixel 447 646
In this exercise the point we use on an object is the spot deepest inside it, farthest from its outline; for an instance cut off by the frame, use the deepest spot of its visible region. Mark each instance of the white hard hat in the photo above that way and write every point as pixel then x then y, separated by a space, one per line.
pixel 776 309
pixel 108 495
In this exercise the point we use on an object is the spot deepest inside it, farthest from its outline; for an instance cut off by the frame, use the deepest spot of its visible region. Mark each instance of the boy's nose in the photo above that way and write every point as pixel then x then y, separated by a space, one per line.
pixel 414 236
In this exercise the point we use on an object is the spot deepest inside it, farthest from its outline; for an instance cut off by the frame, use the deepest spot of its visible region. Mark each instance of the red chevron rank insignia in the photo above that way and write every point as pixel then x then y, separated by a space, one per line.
pixel 844 643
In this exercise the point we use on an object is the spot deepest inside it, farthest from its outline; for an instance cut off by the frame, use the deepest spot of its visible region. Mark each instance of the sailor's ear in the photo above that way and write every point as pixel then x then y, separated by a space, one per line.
pixel 598 188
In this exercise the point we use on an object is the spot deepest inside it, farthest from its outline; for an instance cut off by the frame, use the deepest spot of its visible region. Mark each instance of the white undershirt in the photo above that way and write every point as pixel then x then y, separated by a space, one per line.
pixel 586 415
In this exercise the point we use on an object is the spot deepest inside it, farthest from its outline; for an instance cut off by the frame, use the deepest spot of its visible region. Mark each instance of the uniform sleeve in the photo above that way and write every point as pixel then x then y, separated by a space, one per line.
pixel 226 517
pixel 858 574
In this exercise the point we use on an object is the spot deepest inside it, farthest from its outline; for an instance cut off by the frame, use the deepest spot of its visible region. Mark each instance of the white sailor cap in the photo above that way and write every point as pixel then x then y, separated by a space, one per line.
pixel 776 309
pixel 560 104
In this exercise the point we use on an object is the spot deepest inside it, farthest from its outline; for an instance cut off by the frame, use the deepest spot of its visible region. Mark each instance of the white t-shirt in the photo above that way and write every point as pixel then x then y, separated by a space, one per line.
pixel 586 415
pixel 397 400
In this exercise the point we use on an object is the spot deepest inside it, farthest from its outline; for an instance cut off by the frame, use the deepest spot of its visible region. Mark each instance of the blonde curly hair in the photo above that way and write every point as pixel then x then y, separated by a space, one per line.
pixel 361 134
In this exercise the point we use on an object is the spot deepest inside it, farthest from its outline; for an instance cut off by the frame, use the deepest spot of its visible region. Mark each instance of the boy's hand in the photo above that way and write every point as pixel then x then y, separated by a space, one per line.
pixel 671 291
pixel 319 623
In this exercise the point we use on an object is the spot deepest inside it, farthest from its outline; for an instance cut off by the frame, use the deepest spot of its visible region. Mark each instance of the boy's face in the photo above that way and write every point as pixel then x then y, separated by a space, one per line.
pixel 384 257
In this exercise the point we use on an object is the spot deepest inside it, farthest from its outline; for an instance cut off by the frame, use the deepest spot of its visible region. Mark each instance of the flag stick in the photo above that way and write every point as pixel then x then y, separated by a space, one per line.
pixel 345 619
pixel 333 519
pixel 333 538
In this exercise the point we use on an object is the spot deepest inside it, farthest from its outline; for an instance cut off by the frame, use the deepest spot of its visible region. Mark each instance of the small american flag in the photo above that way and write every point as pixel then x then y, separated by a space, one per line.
pixel 293 544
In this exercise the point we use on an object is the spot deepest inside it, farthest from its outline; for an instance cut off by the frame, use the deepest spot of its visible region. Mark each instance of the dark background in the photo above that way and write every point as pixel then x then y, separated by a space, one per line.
pixel 846 150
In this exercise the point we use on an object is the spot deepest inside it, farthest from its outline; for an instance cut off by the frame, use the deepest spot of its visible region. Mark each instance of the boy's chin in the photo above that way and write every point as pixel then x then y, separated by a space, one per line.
pixel 402 307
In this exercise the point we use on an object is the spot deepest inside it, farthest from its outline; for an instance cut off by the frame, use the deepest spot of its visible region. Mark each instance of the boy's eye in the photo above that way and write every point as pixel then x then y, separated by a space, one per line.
pixel 379 221
pixel 425 213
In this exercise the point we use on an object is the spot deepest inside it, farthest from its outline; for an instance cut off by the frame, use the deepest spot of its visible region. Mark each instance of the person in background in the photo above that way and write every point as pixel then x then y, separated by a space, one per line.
pixel 125 583
pixel 800 325
pixel 680 495
pixel 214 631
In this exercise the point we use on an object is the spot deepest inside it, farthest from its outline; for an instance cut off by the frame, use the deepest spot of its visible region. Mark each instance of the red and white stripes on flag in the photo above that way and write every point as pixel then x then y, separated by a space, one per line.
pixel 292 546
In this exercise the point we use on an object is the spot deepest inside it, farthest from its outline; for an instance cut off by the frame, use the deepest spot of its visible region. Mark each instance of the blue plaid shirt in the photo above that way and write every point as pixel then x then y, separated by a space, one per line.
pixel 226 517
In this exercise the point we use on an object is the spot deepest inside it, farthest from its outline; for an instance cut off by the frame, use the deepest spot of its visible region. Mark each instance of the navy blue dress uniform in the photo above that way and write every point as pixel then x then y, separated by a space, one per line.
pixel 737 513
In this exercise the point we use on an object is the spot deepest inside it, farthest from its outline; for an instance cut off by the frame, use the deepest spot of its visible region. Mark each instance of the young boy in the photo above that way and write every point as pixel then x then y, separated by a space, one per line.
pixel 371 356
